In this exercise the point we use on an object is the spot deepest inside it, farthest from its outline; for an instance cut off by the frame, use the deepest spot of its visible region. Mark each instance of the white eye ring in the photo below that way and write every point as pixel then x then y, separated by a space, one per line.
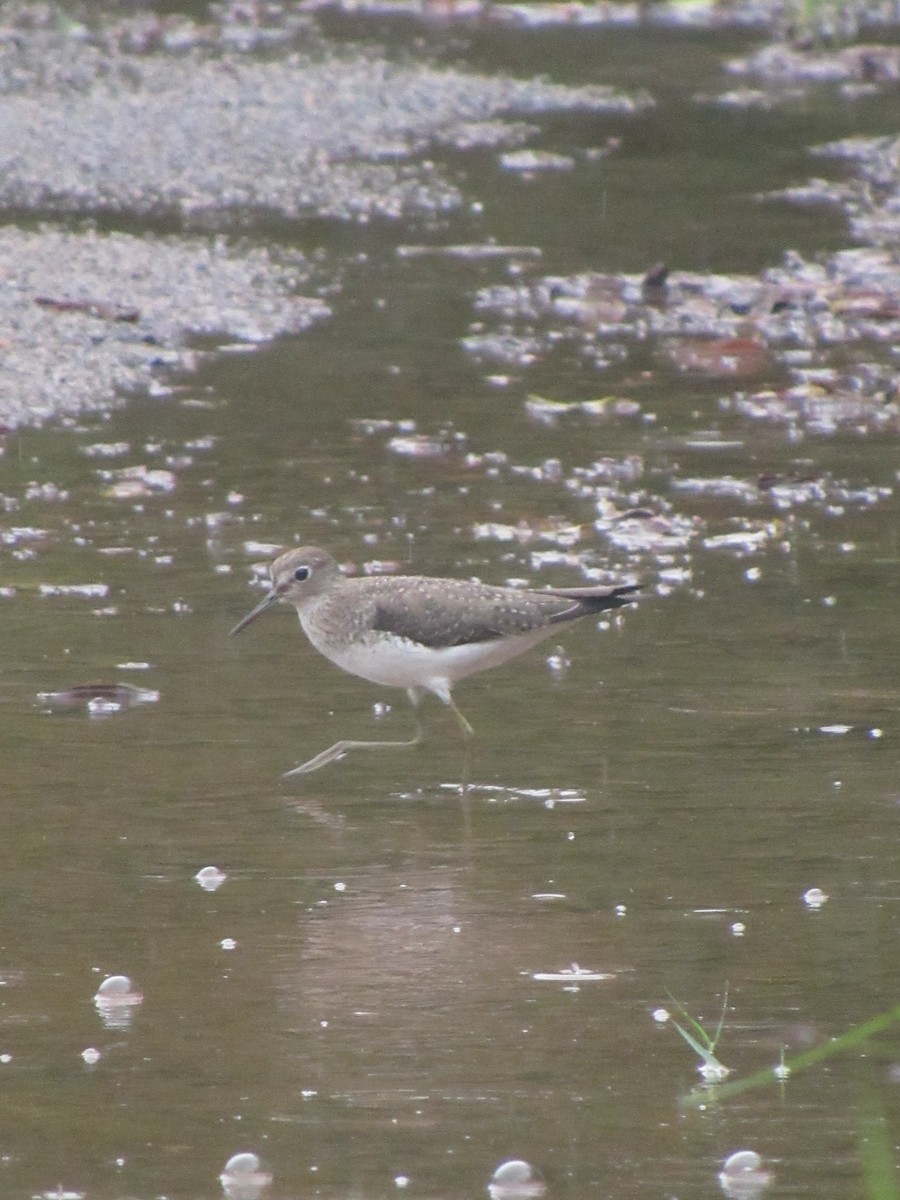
pixel 302 574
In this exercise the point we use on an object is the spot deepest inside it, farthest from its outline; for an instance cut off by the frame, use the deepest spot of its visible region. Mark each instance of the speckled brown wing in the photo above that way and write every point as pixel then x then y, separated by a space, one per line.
pixel 462 613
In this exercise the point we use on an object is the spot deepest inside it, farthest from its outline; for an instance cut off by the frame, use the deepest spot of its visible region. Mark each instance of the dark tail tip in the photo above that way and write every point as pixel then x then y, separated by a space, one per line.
pixel 619 596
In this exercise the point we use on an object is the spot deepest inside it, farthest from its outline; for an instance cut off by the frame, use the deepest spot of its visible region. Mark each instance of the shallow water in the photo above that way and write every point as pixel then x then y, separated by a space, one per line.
pixel 654 812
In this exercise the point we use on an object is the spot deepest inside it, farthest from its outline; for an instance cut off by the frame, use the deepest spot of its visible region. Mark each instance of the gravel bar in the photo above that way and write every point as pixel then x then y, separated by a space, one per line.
pixel 86 316
pixel 334 134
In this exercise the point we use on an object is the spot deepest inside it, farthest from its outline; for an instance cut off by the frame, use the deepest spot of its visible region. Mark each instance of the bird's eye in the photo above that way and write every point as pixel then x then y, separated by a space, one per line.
pixel 301 574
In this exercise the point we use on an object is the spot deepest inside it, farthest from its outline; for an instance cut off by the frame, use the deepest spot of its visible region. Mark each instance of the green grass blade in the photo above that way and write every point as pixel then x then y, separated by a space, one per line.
pixel 858 1035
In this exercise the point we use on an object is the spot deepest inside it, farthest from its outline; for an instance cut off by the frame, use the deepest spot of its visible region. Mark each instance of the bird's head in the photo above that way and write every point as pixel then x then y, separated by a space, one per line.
pixel 296 576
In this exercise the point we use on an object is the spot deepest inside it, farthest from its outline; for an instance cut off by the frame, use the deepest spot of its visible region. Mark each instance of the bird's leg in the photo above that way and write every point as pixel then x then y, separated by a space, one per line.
pixel 465 777
pixel 467 730
pixel 339 749
pixel 467 733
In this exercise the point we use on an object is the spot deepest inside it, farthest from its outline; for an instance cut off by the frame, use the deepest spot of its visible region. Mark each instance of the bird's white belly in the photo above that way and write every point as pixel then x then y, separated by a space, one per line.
pixel 399 662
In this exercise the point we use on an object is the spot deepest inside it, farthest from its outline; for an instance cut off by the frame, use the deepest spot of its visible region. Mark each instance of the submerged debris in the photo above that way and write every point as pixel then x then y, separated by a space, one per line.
pixel 719 356
pixel 548 412
pixel 783 62
pixel 475 252
pixel 99 699
pixel 572 974
pixel 89 591
pixel 139 480
pixel 783 325
pixel 92 308
pixel 861 400
pixel 528 162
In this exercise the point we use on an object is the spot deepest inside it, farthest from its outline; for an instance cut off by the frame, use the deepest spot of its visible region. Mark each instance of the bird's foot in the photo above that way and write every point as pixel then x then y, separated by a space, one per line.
pixel 339 749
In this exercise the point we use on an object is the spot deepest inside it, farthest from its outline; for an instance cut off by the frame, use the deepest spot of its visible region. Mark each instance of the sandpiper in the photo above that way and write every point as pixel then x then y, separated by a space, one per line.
pixel 416 631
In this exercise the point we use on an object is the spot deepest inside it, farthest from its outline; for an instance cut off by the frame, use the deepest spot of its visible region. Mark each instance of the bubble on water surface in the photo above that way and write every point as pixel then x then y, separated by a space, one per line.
pixel 90 1055
pixel 743 1175
pixel 516 1180
pixel 713 1071
pixel 210 878
pixel 118 989
pixel 116 999
pixel 558 661
pixel 244 1177
pixel 814 897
